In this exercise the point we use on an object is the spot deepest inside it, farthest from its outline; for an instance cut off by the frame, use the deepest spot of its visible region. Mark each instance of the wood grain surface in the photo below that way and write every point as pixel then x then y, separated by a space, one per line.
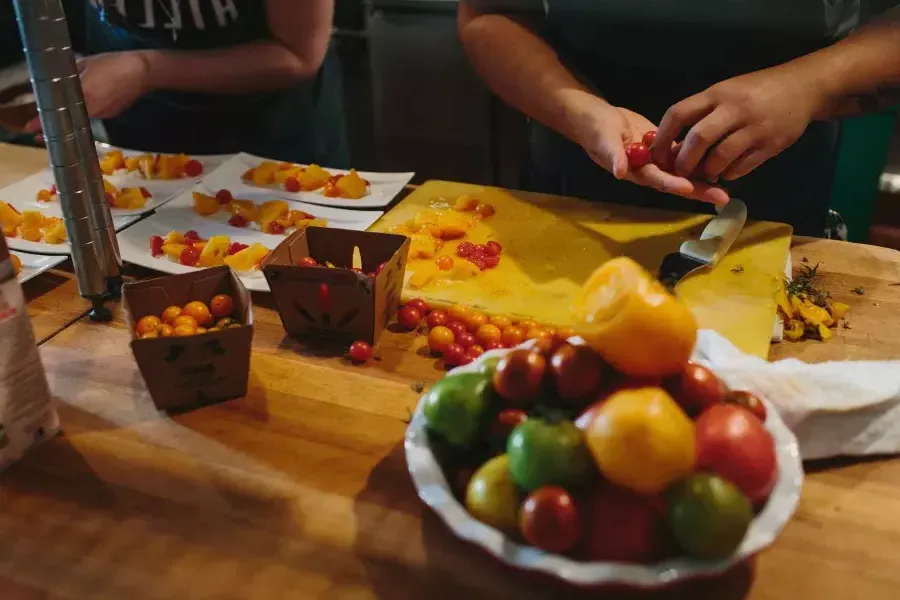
pixel 300 489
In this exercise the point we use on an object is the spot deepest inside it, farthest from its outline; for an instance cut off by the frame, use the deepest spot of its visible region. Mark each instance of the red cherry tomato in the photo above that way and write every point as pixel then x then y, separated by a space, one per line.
pixel 193 168
pixel 453 354
pixel 156 244
pixel 696 388
pixel 734 444
pixel 638 155
pixel 579 374
pixel 238 221
pixel 191 236
pixel 437 318
pixel 307 261
pixel 465 249
pixel 189 257
pixel 275 228
pixel 750 401
pixel 146 193
pixel 505 421
pixel 420 305
pixel 490 261
pixel 409 317
pixel 360 352
pixel 493 248
pixel 512 336
pixel 492 346
pixel 480 249
pixel 465 339
pixel 235 247
pixel 549 520
pixel 519 377
pixel 224 197
pixel 474 351
pixel 480 263
pixel 457 328
pixel 291 185
pixel 649 138
pixel 444 263
pixel 622 526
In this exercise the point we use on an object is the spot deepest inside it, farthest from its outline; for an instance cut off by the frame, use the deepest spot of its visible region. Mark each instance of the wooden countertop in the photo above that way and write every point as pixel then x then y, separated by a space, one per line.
pixel 300 490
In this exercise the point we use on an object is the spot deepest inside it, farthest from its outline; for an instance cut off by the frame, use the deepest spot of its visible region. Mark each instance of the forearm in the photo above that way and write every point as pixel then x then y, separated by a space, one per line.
pixel 524 71
pixel 860 74
pixel 255 67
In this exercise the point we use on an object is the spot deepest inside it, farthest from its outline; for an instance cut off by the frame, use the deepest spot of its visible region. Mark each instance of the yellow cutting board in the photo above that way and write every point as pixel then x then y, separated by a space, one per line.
pixel 551 244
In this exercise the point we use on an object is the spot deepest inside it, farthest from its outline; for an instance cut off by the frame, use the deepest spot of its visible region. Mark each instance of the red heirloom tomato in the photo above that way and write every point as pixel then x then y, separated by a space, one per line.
pixel 549 520
pixel 519 377
pixel 623 526
pixel 578 372
pixel 734 444
pixel 748 400
pixel 696 388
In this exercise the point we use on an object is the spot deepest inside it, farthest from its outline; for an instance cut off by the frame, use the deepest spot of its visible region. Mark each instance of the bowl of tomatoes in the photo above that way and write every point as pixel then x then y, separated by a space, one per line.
pixel 567 458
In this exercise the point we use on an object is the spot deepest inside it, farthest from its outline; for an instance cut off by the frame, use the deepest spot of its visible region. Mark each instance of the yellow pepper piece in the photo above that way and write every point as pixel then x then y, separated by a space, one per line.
pixel 641 440
pixel 214 251
pixel 9 216
pixel 173 237
pixel 313 178
pixel 825 333
pixel 173 250
pixel 794 330
pixel 352 186
pixel 838 310
pixel 813 315
pixel 264 174
pixel 244 208
pixel 205 204
pixel 783 303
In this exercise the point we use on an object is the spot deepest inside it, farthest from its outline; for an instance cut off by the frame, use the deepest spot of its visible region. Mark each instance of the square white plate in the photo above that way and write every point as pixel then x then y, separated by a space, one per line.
pixel 35 264
pixel 383 189
pixel 162 190
pixel 179 215
pixel 23 196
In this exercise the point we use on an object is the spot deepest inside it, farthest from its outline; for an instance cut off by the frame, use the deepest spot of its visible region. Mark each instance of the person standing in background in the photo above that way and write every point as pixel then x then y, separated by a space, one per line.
pixel 753 86
pixel 215 77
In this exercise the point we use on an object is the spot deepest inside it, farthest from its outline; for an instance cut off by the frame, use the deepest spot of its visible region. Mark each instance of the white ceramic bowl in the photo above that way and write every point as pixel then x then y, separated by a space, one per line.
pixel 433 489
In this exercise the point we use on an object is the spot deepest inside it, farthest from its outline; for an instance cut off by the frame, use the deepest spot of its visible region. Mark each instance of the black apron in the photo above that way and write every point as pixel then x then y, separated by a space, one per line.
pixel 647 55
pixel 302 124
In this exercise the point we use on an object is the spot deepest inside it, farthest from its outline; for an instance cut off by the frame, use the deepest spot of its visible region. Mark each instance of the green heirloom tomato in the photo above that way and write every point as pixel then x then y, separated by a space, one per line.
pixel 544 453
pixel 708 516
pixel 457 407
pixel 492 496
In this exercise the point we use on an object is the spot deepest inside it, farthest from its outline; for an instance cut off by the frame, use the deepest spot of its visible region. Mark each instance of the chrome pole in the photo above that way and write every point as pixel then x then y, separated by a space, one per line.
pixel 73 156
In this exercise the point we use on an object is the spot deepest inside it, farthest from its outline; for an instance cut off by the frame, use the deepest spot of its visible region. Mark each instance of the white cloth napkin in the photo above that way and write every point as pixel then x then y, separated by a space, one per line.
pixel 834 408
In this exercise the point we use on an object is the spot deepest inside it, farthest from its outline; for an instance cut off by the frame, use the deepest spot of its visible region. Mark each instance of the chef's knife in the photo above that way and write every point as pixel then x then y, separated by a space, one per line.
pixel 715 241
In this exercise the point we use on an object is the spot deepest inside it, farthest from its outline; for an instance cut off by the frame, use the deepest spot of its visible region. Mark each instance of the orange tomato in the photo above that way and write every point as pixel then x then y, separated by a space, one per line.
pixel 439 338
pixel 201 330
pixel 185 321
pixel 147 324
pixel 221 305
pixel 199 311
pixel 565 333
pixel 488 334
pixel 170 314
pixel 184 331
pixel 638 327
pixel 536 333
pixel 444 263
pixel 500 321
pixel 458 312
pixel 166 330
pixel 475 320
pixel 526 324
pixel 149 334
pixel 512 336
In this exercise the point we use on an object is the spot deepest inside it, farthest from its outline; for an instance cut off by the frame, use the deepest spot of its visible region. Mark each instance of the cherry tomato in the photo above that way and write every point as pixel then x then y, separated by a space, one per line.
pixel 156 244
pixel 458 312
pixel 488 333
pixel 638 155
pixel 221 305
pixel 453 354
pixel 166 330
pixel 549 520
pixel 519 376
pixel 500 321
pixel 579 374
pixel 189 257
pixel 493 248
pixel 504 423
pixel 512 336
pixel 734 444
pixel 457 328
pixel 408 317
pixel 360 352
pixel 224 197
pixel 485 210
pixel 474 351
pixel 307 261
pixel 185 321
pixel 199 311
pixel 191 236
pixel 649 138
pixel 439 338
pixel 475 320
pixel 465 249
pixel 235 247
pixel 623 526
pixel 490 261
pixel 478 262
pixel 292 185
pixel 436 318
pixel 148 324
pixel 750 401
pixel 695 388
pixel 444 263
pixel 465 339
pixel 193 168
pixel 492 346
pixel 536 333
pixel 420 305
pixel 238 221
pixel 184 331
pixel 547 345
pixel 170 314
pixel 480 249
pixel 146 193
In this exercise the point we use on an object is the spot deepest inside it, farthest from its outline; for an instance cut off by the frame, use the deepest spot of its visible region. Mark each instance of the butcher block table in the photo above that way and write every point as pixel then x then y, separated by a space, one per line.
pixel 300 489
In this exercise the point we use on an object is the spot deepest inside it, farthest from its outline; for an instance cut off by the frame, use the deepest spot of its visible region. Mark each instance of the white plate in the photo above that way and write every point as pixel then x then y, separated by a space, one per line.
pixel 383 189
pixel 432 488
pixel 35 264
pixel 162 191
pixel 23 196
pixel 179 215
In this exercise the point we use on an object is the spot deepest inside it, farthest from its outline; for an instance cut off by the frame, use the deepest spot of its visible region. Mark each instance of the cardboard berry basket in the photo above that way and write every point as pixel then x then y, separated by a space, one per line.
pixel 337 303
pixel 182 373
pixel 434 490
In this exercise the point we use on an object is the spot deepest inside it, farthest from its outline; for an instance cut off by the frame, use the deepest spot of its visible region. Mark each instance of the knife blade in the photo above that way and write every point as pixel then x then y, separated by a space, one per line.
pixel 705 252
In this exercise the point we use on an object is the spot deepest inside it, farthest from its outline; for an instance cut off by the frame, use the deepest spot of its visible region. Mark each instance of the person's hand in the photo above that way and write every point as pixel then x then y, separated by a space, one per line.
pixel 613 128
pixel 111 83
pixel 738 124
